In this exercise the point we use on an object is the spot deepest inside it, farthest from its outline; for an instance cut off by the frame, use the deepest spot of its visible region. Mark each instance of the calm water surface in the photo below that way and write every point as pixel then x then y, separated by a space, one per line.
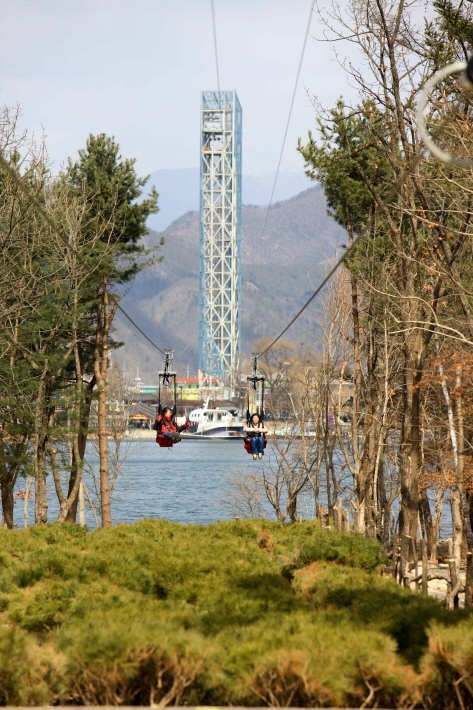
pixel 182 484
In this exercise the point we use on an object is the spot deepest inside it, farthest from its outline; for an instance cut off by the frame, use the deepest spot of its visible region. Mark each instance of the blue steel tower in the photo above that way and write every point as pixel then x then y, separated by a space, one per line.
pixel 220 238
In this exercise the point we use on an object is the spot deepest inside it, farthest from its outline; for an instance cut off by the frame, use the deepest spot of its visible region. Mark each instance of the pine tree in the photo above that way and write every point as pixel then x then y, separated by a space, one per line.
pixel 112 189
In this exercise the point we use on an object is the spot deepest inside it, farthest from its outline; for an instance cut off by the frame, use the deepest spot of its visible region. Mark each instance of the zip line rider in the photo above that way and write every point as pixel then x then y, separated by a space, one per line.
pixel 256 431
pixel 167 428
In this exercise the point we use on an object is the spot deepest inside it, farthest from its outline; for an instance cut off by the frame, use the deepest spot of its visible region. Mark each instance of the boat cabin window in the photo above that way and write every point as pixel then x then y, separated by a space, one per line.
pixel 210 417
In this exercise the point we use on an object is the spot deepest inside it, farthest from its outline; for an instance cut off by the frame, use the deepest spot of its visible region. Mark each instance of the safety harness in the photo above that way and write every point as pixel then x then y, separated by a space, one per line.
pixel 255 382
pixel 167 379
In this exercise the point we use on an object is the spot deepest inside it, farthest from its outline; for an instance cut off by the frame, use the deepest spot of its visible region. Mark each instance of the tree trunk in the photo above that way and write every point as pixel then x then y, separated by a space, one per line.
pixel 426 518
pixel 438 510
pixel 42 412
pixel 405 463
pixel 460 486
pixel 361 473
pixel 64 502
pixel 103 455
pixel 8 476
pixel 7 483
pixel 371 476
pixel 291 509
pixel 81 504
pixel 26 501
pixel 104 323
pixel 41 499
pixel 383 506
pixel 455 493
pixel 71 515
pixel 415 454
pixel 410 436
pixel 470 507
pixel 82 435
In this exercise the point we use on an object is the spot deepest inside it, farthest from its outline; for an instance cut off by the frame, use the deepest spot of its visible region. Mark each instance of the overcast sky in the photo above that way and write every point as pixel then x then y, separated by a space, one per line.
pixel 135 70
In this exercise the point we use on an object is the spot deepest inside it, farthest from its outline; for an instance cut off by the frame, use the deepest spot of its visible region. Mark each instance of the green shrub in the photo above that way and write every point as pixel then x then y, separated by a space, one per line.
pixel 166 613
pixel 374 601
pixel 344 548
pixel 130 657
pixel 333 665
pixel 29 674
pixel 447 667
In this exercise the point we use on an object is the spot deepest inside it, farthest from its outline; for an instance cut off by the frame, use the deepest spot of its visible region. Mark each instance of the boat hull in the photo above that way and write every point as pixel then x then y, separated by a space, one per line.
pixel 210 436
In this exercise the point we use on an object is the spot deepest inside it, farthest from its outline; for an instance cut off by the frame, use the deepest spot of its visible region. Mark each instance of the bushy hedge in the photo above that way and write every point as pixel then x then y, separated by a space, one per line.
pixel 351 550
pixel 158 612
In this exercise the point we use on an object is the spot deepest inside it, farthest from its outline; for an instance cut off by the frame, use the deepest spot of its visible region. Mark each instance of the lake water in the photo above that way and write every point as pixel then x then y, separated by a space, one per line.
pixel 182 484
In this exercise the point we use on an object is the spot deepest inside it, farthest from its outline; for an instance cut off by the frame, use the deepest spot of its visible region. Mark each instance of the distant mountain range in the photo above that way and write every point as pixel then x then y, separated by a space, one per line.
pixel 279 271
pixel 179 191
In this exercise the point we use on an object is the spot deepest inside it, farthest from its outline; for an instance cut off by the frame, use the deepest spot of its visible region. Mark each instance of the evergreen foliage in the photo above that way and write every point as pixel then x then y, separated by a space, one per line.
pixel 52 299
pixel 348 143
pixel 112 189
pixel 350 550
pixel 204 615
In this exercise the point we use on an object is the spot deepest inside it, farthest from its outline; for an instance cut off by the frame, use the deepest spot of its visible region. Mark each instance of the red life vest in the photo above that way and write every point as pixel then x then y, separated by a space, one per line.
pixel 165 426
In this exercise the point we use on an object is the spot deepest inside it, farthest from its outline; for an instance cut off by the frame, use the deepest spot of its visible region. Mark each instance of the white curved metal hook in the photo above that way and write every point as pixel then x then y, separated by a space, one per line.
pixel 425 96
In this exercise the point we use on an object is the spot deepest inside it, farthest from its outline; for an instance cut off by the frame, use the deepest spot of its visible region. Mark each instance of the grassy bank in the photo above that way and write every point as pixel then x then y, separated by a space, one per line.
pixel 244 612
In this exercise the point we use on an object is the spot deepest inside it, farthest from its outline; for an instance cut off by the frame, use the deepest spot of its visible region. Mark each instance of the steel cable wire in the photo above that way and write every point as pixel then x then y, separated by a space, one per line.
pixel 426 92
pixel 39 207
pixel 381 205
pixel 215 43
pixel 289 116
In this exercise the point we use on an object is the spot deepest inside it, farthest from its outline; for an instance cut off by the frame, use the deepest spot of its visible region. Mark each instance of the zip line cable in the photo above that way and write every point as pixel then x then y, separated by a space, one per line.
pixel 123 312
pixel 290 114
pixel 396 190
pixel 38 206
pixel 215 43
pixel 426 93
pixel 380 206
pixel 316 292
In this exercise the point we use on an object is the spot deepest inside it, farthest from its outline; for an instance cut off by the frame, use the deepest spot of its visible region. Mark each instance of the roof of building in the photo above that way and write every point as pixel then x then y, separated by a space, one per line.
pixel 141 408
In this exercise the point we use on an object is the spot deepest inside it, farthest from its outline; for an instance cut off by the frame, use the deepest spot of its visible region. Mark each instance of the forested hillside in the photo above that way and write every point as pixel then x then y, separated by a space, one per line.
pixel 278 271
pixel 179 191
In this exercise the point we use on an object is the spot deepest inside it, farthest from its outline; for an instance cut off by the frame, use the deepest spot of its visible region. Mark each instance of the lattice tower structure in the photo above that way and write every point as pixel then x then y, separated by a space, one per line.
pixel 220 240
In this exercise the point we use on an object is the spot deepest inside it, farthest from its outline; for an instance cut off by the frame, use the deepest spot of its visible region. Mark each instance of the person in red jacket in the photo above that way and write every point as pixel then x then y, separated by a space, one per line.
pixel 167 430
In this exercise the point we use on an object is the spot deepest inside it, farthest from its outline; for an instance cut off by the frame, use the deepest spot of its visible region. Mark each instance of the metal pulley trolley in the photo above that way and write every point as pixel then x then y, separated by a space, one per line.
pixel 167 379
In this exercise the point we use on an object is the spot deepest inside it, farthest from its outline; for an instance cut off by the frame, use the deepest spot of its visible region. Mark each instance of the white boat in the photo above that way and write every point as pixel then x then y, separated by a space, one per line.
pixel 215 424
